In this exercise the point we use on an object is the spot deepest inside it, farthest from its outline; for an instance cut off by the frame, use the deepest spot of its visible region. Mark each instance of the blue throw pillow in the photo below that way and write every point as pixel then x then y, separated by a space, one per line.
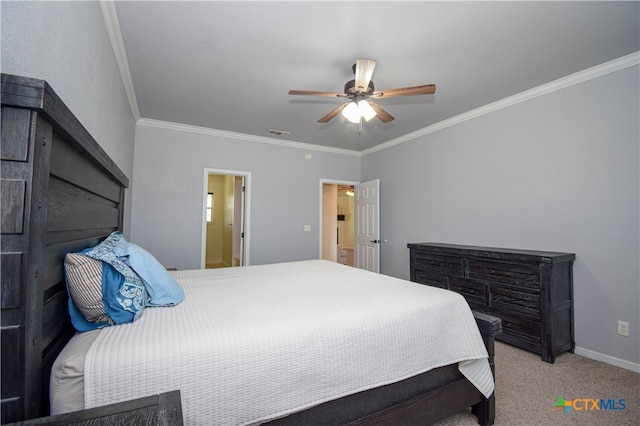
pixel 162 288
pixel 131 296
pixel 112 282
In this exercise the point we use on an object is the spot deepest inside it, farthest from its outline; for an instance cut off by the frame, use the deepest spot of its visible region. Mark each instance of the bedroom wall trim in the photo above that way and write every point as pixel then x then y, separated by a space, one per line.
pixel 242 136
pixel 117 44
pixel 112 25
pixel 115 35
pixel 553 86
pixel 607 359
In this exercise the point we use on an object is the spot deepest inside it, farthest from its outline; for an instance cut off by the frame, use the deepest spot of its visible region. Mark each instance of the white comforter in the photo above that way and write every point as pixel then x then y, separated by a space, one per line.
pixel 256 343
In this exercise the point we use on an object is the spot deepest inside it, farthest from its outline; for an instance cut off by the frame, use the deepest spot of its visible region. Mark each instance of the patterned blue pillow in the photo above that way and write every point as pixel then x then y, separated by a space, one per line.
pixel 132 295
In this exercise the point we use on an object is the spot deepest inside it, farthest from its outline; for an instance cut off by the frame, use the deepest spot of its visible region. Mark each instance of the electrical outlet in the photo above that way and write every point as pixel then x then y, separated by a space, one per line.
pixel 623 328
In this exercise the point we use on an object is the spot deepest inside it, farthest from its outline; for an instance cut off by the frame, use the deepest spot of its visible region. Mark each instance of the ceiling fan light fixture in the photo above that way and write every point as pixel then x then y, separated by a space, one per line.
pixel 366 110
pixel 355 111
pixel 351 113
pixel 359 90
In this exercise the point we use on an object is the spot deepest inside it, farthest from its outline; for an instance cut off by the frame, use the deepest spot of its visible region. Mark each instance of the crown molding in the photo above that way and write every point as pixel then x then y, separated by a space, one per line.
pixel 113 28
pixel 167 125
pixel 112 24
pixel 559 84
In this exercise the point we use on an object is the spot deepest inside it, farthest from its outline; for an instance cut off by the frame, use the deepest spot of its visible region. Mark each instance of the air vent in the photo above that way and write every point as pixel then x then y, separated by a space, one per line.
pixel 278 132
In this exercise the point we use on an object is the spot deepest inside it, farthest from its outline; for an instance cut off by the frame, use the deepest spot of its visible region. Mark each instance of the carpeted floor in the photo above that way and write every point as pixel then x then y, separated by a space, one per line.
pixel 527 391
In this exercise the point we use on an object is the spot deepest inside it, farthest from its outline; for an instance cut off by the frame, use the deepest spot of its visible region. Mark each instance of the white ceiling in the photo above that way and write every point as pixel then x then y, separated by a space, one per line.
pixel 229 65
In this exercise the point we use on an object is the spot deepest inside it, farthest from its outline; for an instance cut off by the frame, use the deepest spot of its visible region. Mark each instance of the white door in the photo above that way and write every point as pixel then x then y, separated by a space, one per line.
pixel 237 245
pixel 367 225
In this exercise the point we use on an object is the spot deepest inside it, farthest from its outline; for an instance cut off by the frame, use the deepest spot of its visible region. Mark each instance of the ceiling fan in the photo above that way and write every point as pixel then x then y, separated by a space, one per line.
pixel 361 92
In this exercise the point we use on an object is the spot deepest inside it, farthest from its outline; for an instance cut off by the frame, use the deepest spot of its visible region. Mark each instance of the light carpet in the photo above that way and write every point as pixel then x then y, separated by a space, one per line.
pixel 527 391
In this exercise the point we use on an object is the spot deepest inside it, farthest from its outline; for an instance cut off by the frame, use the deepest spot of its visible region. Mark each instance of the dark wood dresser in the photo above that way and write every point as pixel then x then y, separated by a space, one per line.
pixel 531 291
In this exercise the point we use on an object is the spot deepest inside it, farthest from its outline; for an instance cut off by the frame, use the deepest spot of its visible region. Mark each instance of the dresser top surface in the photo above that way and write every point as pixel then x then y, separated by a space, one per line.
pixel 444 248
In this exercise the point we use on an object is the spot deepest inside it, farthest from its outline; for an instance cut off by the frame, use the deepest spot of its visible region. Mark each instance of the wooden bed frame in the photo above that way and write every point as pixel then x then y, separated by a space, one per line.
pixel 62 193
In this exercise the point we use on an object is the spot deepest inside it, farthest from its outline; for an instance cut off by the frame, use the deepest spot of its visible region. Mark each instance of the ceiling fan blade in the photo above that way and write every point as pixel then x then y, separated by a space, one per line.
pixel 425 89
pixel 383 115
pixel 364 71
pixel 316 93
pixel 333 113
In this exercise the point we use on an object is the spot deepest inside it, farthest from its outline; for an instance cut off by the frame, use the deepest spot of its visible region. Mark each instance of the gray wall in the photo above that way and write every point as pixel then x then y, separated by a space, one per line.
pixel 559 173
pixel 66 44
pixel 285 193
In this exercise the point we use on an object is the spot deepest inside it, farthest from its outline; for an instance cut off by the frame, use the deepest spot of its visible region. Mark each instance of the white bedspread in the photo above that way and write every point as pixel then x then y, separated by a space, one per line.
pixel 260 342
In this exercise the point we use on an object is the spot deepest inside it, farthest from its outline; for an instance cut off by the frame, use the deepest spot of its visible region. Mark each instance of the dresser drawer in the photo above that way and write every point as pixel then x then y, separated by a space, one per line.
pixel 521 332
pixel 475 292
pixel 430 278
pixel 518 275
pixel 434 263
pixel 522 303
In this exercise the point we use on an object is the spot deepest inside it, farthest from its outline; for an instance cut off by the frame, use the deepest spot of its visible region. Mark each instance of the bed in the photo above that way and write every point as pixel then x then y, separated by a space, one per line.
pixel 395 387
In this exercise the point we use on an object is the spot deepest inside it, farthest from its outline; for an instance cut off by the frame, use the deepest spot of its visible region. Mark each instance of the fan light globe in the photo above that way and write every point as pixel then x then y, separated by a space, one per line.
pixel 351 113
pixel 365 109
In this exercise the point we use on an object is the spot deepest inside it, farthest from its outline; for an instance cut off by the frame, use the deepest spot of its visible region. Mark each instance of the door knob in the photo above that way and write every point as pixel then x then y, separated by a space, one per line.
pixel 375 241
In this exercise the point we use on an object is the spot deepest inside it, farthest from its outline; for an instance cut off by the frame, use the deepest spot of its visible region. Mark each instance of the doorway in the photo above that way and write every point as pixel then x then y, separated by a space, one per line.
pixel 337 222
pixel 362 234
pixel 225 233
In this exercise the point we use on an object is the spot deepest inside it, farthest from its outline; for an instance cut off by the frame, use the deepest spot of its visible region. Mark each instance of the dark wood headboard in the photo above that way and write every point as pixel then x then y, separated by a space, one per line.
pixel 60 193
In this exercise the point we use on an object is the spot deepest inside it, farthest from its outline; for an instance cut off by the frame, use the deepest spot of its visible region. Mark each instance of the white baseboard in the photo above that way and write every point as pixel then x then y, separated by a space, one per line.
pixel 608 359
